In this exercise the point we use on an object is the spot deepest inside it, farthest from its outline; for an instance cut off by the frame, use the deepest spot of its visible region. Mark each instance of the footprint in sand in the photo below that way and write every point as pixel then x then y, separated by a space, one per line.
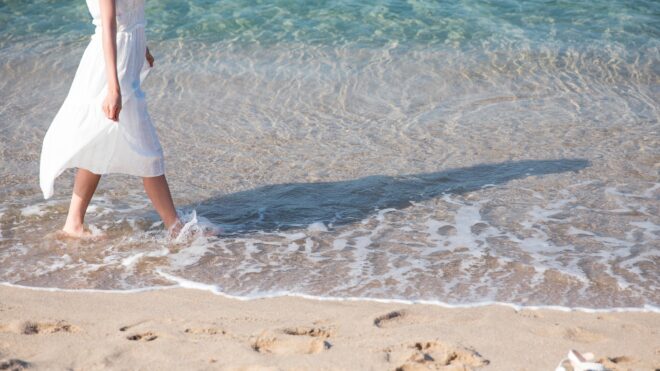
pixel 127 327
pixel 140 336
pixel 577 334
pixel 583 335
pixel 13 364
pixel 146 336
pixel 293 340
pixel 309 331
pixel 433 355
pixel 391 318
pixel 205 331
pixel 34 328
pixel 529 313
pixel 403 317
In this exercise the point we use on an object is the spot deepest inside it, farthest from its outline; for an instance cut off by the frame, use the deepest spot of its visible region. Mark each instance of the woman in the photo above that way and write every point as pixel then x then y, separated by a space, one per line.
pixel 103 125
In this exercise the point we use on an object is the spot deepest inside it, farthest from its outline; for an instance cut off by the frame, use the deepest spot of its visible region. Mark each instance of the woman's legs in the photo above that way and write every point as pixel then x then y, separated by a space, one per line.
pixel 159 193
pixel 83 189
pixel 85 185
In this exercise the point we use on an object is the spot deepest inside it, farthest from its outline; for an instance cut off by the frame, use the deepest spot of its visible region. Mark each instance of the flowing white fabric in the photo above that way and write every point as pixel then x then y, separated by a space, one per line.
pixel 80 135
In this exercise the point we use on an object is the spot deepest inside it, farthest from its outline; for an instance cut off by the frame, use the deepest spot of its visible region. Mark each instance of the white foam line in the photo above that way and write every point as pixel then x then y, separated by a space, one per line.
pixel 187 284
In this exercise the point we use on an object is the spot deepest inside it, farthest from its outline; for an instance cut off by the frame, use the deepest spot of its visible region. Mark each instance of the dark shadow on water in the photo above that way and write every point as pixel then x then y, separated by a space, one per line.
pixel 291 205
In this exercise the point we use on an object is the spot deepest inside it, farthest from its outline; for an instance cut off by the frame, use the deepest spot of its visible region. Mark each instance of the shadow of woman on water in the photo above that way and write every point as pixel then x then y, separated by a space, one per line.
pixel 292 205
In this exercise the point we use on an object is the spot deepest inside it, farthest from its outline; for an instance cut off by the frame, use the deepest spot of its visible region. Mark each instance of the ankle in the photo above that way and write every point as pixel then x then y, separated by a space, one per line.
pixel 172 223
pixel 73 227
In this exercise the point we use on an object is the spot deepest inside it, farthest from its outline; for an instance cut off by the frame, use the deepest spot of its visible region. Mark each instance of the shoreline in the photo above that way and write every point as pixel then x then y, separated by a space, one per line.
pixel 185 328
pixel 191 285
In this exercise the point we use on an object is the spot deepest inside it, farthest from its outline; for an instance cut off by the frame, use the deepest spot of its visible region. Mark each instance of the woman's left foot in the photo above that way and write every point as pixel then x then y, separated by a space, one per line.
pixel 174 230
pixel 79 235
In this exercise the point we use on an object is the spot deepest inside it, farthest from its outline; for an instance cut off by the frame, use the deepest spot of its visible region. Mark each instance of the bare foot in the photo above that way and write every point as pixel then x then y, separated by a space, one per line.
pixel 174 230
pixel 78 233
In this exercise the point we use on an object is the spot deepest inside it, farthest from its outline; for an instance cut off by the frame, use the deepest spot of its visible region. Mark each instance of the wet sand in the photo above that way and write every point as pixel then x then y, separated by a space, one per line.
pixel 192 329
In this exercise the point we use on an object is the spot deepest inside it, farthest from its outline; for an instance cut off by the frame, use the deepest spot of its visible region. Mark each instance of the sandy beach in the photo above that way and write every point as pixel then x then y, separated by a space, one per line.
pixel 194 330
pixel 442 153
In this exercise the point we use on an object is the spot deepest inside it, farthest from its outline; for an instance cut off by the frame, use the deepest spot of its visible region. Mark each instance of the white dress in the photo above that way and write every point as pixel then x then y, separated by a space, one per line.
pixel 81 135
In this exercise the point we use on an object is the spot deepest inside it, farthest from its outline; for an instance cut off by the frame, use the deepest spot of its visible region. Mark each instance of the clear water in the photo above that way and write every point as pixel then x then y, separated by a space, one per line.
pixel 458 152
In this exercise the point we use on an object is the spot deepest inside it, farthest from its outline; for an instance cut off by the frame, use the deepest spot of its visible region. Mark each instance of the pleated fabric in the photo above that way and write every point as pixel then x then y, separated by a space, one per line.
pixel 80 136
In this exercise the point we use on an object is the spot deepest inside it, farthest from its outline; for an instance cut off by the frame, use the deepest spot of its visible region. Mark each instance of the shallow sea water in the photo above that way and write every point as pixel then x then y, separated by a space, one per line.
pixel 454 152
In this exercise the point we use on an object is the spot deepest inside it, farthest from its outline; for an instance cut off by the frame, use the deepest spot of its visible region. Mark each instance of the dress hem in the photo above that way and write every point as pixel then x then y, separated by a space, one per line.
pixel 95 171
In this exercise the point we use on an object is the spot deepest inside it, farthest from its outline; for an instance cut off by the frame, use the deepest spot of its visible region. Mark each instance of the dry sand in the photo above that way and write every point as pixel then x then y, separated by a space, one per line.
pixel 184 329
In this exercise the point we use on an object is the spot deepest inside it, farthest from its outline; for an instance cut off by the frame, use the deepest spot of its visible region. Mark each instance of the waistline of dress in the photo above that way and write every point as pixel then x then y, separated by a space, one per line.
pixel 122 29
